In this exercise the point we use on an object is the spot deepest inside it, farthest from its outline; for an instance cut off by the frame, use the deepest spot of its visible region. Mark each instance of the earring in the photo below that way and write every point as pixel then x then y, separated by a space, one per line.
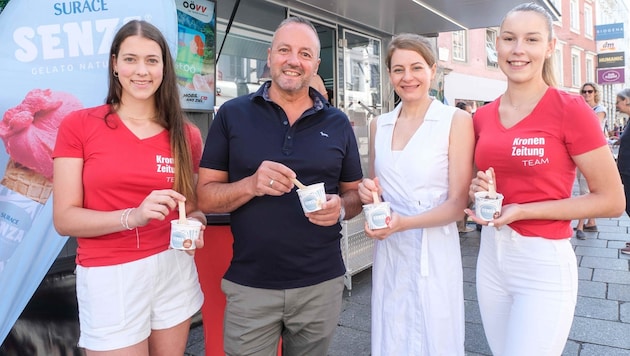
pixel 115 74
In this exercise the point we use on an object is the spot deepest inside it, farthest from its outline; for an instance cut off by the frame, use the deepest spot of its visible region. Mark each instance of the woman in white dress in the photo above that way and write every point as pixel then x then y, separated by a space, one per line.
pixel 421 163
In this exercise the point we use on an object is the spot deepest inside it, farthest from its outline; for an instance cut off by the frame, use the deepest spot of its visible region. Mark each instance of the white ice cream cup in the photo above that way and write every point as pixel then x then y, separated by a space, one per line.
pixel 312 197
pixel 377 215
pixel 184 236
pixel 487 208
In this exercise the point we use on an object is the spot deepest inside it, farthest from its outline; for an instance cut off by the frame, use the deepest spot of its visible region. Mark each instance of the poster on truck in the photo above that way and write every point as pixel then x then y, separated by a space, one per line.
pixel 196 45
pixel 53 60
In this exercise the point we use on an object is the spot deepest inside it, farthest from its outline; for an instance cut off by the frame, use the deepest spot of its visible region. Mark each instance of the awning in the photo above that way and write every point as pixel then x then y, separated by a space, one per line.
pixel 420 16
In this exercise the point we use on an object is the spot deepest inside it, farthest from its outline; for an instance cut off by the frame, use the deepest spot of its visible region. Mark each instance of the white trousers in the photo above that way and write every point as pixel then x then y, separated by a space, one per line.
pixel 527 291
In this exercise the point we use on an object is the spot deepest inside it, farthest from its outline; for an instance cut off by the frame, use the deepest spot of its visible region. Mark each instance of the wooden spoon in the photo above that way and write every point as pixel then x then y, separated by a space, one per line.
pixel 298 183
pixel 182 213
pixel 375 197
pixel 492 190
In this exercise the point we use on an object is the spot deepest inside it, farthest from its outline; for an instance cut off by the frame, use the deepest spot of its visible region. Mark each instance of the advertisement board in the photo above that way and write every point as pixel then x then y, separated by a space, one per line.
pixel 611 76
pixel 196 43
pixel 53 59
pixel 606 46
pixel 611 60
pixel 608 31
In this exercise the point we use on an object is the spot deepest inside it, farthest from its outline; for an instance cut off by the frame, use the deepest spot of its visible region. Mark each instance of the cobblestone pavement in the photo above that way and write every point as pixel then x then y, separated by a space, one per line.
pixel 602 316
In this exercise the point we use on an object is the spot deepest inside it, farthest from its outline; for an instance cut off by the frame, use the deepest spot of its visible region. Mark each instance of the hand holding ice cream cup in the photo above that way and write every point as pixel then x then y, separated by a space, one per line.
pixel 488 203
pixel 377 214
pixel 312 197
pixel 186 232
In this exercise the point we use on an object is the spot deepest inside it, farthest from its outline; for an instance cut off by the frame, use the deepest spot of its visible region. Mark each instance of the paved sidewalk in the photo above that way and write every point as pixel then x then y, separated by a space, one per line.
pixel 602 316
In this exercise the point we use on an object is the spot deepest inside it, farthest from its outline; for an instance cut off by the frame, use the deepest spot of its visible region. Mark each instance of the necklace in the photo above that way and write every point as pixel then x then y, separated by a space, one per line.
pixel 137 119
pixel 524 104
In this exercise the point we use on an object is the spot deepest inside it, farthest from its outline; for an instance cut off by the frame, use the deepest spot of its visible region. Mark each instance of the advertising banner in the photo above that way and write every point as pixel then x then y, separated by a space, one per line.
pixel 53 59
pixel 196 54
pixel 610 60
pixel 611 76
pixel 608 31
pixel 606 46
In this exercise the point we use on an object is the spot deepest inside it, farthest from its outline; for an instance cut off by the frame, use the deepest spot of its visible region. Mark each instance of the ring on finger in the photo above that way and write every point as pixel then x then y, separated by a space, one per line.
pixel 271 183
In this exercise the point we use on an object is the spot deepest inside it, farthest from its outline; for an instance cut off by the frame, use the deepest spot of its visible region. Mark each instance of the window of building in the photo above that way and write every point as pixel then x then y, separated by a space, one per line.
pixel 459 45
pixel 557 4
pixel 558 69
pixel 590 68
pixel 588 21
pixel 491 51
pixel 241 66
pixel 574 15
pixel 576 66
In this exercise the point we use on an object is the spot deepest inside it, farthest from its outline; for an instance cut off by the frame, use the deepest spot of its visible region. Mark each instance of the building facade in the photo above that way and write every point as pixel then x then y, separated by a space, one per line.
pixel 468 57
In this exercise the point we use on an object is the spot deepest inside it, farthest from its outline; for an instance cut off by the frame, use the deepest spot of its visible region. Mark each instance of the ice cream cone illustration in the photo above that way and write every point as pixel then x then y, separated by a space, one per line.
pixel 29 131
pixel 27 182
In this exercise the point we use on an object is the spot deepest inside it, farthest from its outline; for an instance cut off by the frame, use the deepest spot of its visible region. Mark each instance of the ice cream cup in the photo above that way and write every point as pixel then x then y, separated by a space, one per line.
pixel 377 215
pixel 183 236
pixel 487 208
pixel 312 197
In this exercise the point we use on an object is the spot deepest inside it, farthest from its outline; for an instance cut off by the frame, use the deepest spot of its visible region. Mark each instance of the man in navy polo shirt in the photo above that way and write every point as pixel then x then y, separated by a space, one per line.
pixel 286 275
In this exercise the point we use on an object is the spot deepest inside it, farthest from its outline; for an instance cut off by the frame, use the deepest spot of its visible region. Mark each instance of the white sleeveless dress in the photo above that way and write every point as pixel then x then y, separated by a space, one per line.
pixel 417 283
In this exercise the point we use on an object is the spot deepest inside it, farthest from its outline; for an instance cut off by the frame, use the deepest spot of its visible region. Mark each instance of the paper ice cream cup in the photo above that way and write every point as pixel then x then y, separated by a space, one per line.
pixel 486 208
pixel 377 215
pixel 312 197
pixel 184 236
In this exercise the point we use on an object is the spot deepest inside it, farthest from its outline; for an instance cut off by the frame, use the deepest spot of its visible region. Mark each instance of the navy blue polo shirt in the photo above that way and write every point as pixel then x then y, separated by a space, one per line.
pixel 275 246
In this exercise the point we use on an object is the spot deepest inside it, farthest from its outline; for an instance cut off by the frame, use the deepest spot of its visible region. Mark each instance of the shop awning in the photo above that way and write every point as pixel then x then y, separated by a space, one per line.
pixel 421 16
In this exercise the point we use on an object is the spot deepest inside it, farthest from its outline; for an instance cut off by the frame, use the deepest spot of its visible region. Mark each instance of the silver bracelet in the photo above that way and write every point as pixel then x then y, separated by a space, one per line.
pixel 124 218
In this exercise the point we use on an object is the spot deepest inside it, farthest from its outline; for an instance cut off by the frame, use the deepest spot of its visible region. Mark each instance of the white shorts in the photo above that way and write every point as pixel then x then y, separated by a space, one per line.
pixel 119 305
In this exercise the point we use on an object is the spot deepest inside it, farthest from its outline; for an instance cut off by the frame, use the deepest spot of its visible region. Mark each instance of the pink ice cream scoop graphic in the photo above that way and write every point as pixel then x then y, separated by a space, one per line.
pixel 29 131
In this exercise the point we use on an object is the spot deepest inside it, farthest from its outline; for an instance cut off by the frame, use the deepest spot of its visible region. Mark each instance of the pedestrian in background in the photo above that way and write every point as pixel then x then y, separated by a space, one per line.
pixel 286 275
pixel 623 159
pixel 464 106
pixel 421 163
pixel 590 93
pixel 317 83
pixel 135 295
pixel 531 139
pixel 462 225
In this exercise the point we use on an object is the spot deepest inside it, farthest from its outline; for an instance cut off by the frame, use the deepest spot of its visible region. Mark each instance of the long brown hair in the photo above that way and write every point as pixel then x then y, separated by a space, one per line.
pixel 168 108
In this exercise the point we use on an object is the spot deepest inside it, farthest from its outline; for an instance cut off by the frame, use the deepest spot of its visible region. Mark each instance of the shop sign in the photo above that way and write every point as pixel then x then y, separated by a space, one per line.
pixel 611 60
pixel 606 46
pixel 609 31
pixel 611 76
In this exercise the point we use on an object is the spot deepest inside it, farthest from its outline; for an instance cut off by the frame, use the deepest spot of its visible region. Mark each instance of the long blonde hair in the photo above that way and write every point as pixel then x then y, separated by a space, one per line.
pixel 548 73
